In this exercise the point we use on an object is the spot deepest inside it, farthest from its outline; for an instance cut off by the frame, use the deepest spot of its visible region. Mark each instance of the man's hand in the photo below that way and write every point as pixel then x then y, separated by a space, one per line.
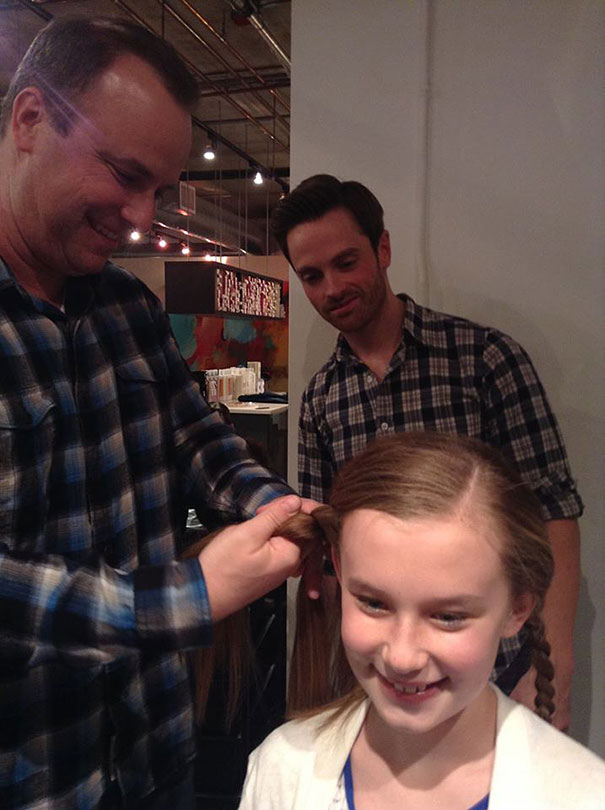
pixel 244 562
pixel 312 561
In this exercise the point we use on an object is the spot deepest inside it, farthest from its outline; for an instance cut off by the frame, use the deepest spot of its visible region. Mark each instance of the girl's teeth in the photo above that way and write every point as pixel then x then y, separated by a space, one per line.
pixel 409 690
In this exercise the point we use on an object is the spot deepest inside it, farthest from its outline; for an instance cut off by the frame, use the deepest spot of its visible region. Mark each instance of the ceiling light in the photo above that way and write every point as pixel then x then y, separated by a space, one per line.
pixel 162 243
pixel 258 179
pixel 185 250
pixel 135 236
pixel 210 150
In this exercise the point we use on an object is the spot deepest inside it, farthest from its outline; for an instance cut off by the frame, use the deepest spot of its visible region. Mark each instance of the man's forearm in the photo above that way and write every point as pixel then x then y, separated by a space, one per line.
pixel 560 609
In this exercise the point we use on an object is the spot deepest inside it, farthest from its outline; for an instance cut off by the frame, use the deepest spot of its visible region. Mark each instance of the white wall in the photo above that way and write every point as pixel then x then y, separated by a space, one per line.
pixel 514 203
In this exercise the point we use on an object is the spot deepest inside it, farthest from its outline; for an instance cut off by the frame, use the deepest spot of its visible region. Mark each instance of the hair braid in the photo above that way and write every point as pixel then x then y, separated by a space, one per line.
pixel 545 691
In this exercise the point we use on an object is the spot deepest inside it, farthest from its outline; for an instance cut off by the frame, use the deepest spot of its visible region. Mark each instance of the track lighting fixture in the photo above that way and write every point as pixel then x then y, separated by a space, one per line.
pixel 210 150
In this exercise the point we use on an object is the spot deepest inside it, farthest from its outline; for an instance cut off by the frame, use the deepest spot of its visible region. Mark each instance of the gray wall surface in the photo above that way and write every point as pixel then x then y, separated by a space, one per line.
pixel 480 127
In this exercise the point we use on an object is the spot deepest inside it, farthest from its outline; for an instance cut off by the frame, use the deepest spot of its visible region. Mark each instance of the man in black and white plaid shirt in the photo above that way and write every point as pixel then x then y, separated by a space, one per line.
pixel 400 366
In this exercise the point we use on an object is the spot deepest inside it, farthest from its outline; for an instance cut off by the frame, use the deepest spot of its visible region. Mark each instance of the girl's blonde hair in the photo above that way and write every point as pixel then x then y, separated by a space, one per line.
pixel 415 476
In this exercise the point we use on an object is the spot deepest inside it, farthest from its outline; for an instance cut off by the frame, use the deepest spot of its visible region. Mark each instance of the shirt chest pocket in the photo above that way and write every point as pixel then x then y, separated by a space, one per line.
pixel 27 436
pixel 143 398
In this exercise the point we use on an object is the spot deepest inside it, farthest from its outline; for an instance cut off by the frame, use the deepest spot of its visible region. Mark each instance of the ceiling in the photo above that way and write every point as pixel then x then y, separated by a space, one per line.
pixel 239 51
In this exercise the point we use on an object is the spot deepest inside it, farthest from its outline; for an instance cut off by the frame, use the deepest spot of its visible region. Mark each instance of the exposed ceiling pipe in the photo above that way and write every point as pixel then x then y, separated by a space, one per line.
pixel 234 52
pixel 244 8
pixel 124 6
pixel 243 81
pixel 235 90
pixel 214 226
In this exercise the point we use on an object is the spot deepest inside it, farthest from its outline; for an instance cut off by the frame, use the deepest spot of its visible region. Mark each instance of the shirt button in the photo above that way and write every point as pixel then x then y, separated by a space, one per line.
pixel 370 378
pixel 384 426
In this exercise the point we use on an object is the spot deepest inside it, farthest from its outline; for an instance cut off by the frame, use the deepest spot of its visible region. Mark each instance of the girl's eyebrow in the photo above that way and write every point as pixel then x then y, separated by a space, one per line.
pixel 467 600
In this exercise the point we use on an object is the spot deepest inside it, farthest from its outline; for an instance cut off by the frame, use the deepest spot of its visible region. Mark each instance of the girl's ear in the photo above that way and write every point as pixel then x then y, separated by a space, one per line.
pixel 520 612
pixel 335 562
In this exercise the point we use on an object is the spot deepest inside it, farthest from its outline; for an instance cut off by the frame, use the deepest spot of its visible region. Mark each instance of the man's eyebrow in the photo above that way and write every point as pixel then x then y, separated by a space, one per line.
pixel 132 164
pixel 344 254
pixel 136 167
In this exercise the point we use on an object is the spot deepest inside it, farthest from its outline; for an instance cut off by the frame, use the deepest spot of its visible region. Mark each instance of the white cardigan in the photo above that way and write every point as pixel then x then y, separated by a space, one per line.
pixel 536 767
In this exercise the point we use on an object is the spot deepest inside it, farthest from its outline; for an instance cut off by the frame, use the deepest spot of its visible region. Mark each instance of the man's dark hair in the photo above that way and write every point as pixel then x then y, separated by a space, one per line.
pixel 321 193
pixel 69 55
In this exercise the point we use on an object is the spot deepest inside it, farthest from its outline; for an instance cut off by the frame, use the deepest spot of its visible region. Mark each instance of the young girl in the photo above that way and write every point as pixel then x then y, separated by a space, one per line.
pixel 440 552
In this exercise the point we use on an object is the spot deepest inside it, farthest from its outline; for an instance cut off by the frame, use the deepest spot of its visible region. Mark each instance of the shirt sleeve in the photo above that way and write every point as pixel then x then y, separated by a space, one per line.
pixel 92 613
pixel 315 468
pixel 522 425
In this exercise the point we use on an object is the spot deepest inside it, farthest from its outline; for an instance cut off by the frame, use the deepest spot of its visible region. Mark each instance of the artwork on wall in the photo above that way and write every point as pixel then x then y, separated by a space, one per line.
pixel 214 342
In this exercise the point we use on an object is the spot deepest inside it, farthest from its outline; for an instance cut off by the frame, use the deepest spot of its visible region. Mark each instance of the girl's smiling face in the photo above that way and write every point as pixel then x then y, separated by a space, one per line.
pixel 424 606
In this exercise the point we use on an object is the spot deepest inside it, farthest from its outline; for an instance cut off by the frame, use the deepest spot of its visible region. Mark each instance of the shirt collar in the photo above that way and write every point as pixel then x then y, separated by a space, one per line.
pixel 80 290
pixel 413 330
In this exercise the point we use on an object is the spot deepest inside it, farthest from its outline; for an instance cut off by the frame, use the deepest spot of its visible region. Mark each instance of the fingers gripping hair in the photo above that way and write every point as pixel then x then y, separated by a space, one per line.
pixel 232 655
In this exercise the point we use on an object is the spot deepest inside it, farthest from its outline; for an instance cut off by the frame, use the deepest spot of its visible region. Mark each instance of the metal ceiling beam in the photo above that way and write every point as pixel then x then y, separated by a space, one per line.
pixel 245 10
pixel 231 174
pixel 234 52
pixel 196 71
pixel 199 72
pixel 235 90
pixel 240 152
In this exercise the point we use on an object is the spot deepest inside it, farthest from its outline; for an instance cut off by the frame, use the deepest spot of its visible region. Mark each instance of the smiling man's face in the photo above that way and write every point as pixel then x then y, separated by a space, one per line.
pixel 81 193
pixel 342 276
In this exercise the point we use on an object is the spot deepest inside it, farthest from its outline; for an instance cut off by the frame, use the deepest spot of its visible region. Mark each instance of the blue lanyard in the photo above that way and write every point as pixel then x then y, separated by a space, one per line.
pixel 348 776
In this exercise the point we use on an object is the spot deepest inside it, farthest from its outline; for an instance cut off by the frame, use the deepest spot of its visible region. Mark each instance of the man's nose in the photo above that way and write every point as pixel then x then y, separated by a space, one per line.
pixel 333 286
pixel 139 210
pixel 405 652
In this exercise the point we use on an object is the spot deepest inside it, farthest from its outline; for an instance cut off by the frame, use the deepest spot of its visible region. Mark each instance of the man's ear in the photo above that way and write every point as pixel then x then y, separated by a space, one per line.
pixel 384 251
pixel 519 614
pixel 29 110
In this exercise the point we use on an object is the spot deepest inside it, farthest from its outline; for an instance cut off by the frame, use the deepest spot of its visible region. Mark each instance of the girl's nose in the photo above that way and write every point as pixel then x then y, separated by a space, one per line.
pixel 405 652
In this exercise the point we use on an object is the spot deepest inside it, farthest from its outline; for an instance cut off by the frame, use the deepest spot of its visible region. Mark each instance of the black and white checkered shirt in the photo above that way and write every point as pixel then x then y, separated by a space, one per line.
pixel 448 375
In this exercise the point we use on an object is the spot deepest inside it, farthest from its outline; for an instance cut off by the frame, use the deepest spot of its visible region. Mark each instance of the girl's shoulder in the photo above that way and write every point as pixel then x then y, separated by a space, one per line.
pixel 314 733
pixel 299 764
pixel 535 760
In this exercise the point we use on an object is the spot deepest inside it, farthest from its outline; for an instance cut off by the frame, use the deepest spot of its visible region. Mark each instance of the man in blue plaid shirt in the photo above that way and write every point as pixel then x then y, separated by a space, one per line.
pixel 400 366
pixel 105 440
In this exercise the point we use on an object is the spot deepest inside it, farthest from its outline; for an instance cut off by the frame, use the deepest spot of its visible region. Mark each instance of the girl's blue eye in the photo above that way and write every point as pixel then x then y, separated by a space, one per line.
pixel 450 620
pixel 370 605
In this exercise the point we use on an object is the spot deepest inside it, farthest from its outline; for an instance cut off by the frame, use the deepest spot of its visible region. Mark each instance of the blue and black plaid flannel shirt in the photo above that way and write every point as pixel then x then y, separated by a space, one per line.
pixel 104 443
